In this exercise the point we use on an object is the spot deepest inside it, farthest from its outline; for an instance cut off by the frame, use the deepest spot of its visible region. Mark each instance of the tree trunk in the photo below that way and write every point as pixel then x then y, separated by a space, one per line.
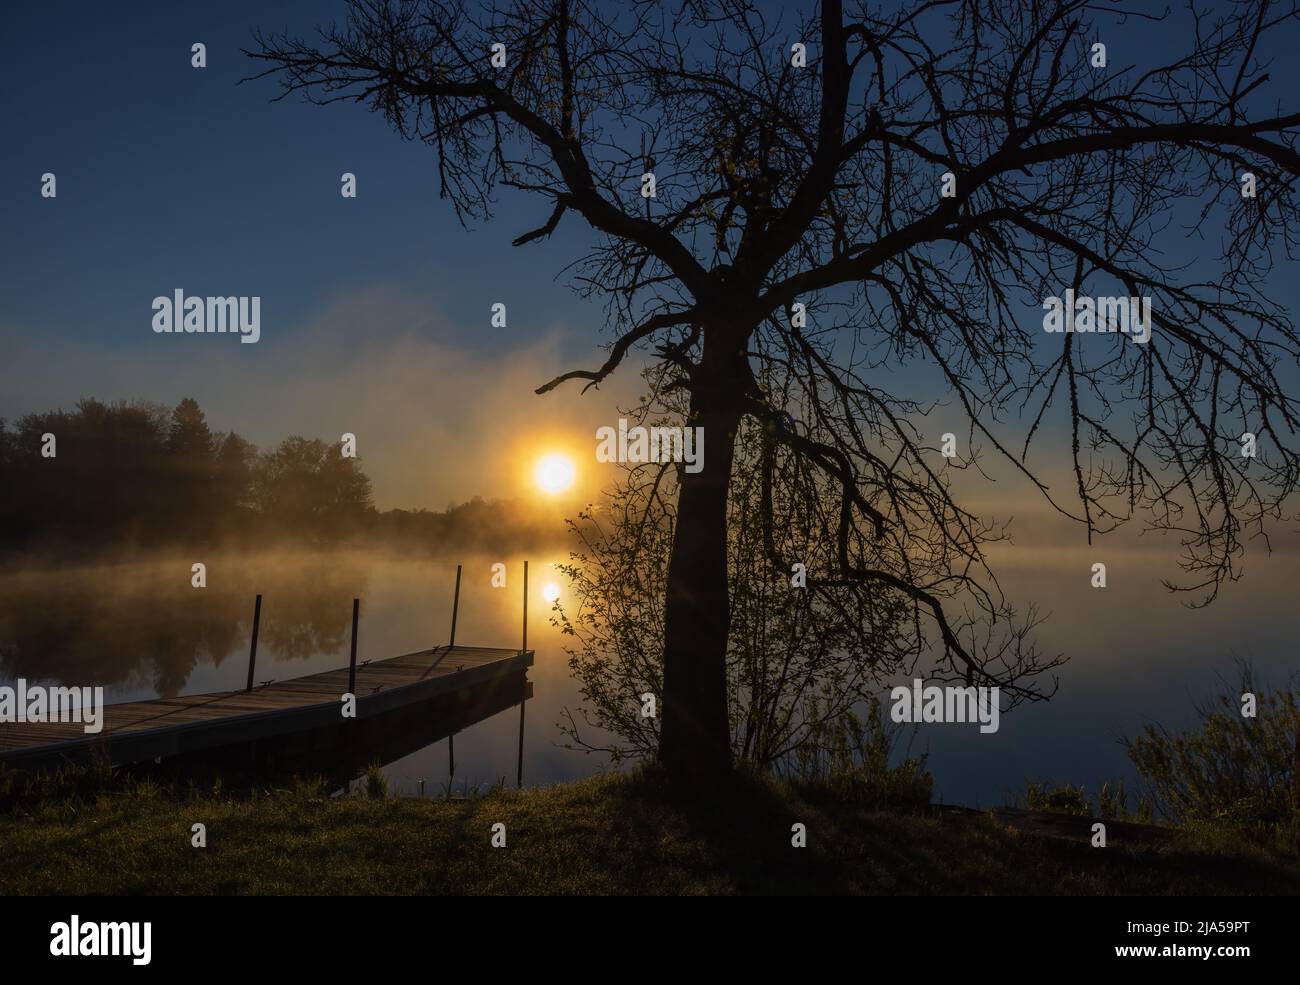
pixel 695 741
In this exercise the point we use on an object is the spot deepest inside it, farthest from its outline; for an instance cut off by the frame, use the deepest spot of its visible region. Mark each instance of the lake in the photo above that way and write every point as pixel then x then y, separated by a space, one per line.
pixel 138 628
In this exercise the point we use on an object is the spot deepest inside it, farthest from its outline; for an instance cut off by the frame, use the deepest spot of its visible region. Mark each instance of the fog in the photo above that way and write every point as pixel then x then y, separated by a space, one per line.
pixel 140 629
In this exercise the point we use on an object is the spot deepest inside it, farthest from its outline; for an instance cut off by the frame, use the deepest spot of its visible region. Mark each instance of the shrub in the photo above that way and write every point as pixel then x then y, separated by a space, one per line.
pixel 852 755
pixel 1045 795
pixel 376 784
pixel 1227 767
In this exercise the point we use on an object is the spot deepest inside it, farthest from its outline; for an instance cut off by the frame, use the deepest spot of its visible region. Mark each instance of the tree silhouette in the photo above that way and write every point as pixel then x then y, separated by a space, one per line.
pixel 799 663
pixel 191 450
pixel 307 484
pixel 821 185
pixel 134 472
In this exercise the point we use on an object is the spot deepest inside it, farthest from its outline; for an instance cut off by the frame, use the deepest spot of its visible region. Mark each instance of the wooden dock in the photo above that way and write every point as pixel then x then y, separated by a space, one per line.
pixel 135 731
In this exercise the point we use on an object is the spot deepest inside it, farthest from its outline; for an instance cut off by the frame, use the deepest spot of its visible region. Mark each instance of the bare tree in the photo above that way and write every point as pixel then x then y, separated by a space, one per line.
pixel 801 665
pixel 821 185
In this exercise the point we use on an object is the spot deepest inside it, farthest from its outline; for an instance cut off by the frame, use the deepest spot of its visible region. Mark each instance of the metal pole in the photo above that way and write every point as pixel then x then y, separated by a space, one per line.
pixel 519 778
pixel 352 663
pixel 455 608
pixel 252 649
pixel 519 781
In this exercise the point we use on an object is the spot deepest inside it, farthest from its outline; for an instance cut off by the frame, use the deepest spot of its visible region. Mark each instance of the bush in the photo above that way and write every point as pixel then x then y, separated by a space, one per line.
pixel 1047 796
pixel 376 784
pixel 1112 801
pixel 852 755
pixel 1227 767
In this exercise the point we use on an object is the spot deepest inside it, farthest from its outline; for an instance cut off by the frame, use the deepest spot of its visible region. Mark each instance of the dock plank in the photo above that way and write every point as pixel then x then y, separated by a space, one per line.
pixel 165 726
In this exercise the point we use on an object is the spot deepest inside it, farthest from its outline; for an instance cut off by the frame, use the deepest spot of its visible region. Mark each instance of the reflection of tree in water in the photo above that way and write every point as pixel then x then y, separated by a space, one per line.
pixel 143 622
pixel 299 624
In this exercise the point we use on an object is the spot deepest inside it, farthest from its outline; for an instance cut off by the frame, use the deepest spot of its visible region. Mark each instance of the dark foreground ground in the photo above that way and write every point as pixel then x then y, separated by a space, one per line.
pixel 622 834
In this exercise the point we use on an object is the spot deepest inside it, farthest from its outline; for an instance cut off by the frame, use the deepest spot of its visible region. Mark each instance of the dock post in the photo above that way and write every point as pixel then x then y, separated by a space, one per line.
pixel 352 663
pixel 252 648
pixel 519 779
pixel 455 608
pixel 451 645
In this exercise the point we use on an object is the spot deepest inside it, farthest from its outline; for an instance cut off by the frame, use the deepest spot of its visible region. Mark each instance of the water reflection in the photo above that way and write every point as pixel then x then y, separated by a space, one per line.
pixel 140 629
pixel 143 625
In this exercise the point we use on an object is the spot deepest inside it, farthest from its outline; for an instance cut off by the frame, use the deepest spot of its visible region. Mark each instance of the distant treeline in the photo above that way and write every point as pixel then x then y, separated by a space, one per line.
pixel 137 473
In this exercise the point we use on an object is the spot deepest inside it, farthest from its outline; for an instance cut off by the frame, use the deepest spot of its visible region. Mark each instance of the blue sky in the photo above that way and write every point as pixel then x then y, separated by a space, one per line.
pixel 373 309
pixel 171 176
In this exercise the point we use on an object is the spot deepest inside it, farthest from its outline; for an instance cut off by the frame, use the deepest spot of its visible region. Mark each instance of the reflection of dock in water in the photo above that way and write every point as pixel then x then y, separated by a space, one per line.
pixel 399 705
pixel 434 692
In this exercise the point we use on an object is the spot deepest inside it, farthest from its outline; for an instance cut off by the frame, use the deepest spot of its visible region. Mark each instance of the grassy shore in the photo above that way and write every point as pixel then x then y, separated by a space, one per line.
pixel 621 834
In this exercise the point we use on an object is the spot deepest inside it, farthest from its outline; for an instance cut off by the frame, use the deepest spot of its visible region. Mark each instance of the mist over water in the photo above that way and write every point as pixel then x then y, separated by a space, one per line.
pixel 141 631
pixel 1137 654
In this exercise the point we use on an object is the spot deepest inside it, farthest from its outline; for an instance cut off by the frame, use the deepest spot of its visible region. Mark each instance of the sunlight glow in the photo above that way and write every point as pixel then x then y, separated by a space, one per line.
pixel 550 591
pixel 554 473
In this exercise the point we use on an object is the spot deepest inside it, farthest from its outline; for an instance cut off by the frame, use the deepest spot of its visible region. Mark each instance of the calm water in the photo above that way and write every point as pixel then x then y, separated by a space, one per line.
pixel 140 630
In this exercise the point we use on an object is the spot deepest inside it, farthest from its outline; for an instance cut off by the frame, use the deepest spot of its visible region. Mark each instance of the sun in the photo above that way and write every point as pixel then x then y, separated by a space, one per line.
pixel 551 591
pixel 554 473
